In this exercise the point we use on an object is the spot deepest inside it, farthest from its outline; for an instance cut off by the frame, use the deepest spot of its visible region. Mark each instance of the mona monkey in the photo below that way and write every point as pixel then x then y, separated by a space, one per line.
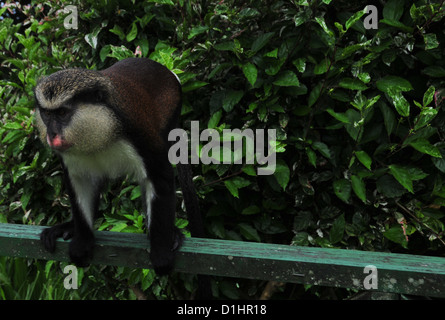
pixel 108 124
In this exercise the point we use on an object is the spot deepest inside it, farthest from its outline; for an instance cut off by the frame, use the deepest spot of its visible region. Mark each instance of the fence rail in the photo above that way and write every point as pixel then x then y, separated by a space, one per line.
pixel 395 273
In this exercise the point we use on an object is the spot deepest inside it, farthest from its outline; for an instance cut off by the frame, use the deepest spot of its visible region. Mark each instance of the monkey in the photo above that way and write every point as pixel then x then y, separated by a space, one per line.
pixel 110 124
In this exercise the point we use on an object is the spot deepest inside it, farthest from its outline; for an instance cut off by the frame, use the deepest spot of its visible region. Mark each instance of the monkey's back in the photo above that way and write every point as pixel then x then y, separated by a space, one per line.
pixel 150 96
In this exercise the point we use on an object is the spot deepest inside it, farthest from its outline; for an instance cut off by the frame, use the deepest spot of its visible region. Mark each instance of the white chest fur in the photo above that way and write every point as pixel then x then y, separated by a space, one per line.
pixel 118 160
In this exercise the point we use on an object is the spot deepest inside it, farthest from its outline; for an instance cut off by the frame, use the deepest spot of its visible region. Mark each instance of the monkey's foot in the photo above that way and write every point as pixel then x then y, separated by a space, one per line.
pixel 163 257
pixel 50 235
pixel 81 250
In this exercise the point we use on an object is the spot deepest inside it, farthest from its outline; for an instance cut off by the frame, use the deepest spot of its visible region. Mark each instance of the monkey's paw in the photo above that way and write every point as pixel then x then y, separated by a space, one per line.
pixel 81 250
pixel 50 235
pixel 163 257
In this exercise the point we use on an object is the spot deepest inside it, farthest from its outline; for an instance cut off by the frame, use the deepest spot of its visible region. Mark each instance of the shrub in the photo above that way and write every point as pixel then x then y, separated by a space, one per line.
pixel 358 115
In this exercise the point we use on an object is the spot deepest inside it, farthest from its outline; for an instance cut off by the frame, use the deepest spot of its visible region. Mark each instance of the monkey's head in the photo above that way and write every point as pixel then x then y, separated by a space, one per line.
pixel 73 111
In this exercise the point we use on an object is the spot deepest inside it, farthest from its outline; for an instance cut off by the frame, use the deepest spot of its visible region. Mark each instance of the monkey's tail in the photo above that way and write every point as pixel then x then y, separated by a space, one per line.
pixel 195 220
pixel 190 200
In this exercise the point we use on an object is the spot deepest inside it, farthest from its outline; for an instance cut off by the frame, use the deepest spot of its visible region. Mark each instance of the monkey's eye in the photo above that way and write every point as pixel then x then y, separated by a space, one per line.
pixel 45 112
pixel 61 112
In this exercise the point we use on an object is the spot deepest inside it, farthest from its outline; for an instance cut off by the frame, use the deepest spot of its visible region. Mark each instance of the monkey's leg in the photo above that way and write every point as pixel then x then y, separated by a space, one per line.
pixel 165 238
pixel 84 196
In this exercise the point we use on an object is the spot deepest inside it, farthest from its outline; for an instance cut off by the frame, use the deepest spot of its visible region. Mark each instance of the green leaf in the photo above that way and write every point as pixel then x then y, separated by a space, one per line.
pixel 315 94
pixel 342 189
pixel 197 30
pixel 354 18
pixel 24 199
pixel 214 119
pixel 399 101
pixel 322 148
pixel 170 2
pixel 12 126
pixel 393 9
pixel 16 62
pixel 402 176
pixel 120 52
pixel 355 124
pixel 388 117
pixel 300 64
pixel 274 66
pixel 397 24
pixel 231 98
pixel 240 182
pixel 395 234
pixel 135 193
pixel 251 210
pixel 249 232
pixel 301 17
pixel 312 157
pixel 261 41
pixel 393 83
pixel 193 85
pixel 230 185
pixel 365 77
pixel 320 20
pixel 337 230
pixel 339 116
pixel 229 289
pixel 303 221
pixel 358 185
pixel 389 187
pixel 144 45
pixel 428 96
pixel 424 146
pixel 322 67
pixel 430 41
pixel 272 54
pixel 434 71
pixel 282 173
pixel 225 46
pixel 439 163
pixel 287 79
pixel 249 170
pixel 352 84
pixel 405 175
pixel 344 53
pixel 133 33
pixel 250 72
pixel 117 30
pixel 370 102
pixel 91 38
pixel 339 27
pixel 359 101
pixel 364 158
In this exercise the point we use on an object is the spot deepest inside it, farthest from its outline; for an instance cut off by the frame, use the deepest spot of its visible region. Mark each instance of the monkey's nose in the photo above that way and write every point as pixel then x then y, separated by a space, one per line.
pixel 57 142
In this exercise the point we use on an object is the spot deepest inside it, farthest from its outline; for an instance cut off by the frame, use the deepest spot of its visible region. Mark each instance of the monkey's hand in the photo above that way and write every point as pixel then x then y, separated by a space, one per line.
pixel 80 248
pixel 50 235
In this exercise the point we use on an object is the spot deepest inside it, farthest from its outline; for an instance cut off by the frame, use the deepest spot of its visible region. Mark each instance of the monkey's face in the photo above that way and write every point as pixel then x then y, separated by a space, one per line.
pixel 84 128
pixel 71 118
pixel 51 124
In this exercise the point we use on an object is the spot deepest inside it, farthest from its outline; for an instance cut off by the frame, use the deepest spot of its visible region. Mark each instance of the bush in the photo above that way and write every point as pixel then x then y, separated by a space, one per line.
pixel 358 115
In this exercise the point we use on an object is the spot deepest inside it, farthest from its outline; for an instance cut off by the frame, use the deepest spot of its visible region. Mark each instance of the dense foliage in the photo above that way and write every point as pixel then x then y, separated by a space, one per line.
pixel 358 113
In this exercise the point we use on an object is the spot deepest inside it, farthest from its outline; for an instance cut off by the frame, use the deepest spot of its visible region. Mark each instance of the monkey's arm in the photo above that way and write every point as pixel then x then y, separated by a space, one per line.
pixel 84 196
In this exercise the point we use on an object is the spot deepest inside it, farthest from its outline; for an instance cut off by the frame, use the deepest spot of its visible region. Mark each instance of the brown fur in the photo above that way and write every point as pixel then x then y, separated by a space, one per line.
pixel 149 109
pixel 152 111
